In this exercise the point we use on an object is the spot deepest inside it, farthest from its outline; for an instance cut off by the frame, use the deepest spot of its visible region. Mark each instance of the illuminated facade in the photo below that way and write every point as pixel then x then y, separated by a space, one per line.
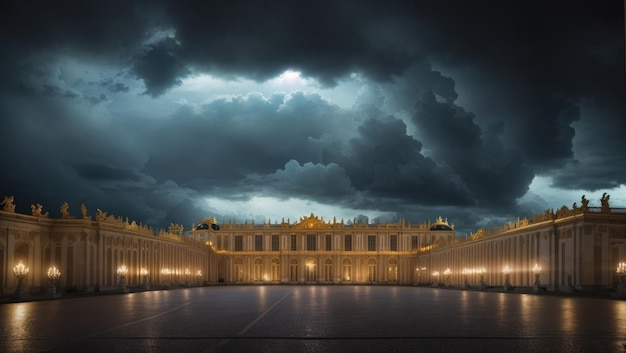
pixel 312 250
pixel 576 249
pixel 88 251
pixel 572 249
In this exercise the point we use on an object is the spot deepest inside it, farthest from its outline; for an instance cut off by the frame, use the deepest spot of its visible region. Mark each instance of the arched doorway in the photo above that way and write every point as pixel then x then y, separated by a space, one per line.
pixel 346 270
pixel 371 270
pixel 275 277
pixel 311 270
pixel 392 270
pixel 293 270
pixel 238 270
pixel 328 270
pixel 258 270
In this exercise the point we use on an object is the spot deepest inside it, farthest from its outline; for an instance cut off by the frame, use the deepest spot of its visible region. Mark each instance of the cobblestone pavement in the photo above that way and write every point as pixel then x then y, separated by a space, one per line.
pixel 315 319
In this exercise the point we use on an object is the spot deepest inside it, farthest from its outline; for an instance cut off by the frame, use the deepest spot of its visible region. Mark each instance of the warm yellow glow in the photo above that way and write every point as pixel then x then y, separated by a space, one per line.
pixel 536 269
pixel 471 271
pixel 143 272
pixel 122 270
pixel 621 268
pixel 20 270
pixel 436 273
pixel 54 273
pixel 166 271
pixel 447 272
pixel 506 270
pixel 198 273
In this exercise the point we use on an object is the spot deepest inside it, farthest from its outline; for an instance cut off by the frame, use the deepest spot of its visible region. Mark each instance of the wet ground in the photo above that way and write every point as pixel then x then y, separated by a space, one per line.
pixel 315 319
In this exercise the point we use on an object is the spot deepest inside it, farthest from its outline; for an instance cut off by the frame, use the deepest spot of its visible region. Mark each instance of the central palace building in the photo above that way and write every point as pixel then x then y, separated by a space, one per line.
pixel 570 249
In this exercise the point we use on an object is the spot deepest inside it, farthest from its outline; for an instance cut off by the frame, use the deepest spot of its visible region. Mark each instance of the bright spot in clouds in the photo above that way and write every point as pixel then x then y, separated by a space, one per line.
pixel 260 208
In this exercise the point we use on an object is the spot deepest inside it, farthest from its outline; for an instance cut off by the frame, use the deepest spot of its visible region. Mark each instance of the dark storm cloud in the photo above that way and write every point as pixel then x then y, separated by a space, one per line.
pixel 248 134
pixel 326 39
pixel 465 103
pixel 384 161
pixel 323 183
pixel 160 68
pixel 494 175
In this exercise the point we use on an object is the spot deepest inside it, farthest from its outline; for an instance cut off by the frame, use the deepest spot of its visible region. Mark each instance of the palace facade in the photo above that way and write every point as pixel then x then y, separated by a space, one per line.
pixel 575 249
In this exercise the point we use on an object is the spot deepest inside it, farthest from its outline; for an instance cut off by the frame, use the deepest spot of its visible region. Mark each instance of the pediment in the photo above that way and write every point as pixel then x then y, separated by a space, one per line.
pixel 311 222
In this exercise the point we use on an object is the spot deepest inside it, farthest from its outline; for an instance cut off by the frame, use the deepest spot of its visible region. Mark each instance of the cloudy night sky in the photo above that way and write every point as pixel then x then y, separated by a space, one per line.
pixel 168 112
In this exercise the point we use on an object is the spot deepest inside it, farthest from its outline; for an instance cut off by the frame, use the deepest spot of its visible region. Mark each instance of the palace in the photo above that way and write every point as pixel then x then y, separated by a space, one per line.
pixel 575 249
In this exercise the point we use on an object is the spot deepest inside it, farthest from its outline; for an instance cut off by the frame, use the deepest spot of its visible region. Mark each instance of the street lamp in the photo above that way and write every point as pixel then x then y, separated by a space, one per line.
pixel 465 271
pixel 447 273
pixel 507 278
pixel 122 271
pixel 144 276
pixel 20 270
pixel 166 273
pixel 482 272
pixel 436 275
pixel 536 271
pixel 53 275
pixel 187 277
pixel 621 273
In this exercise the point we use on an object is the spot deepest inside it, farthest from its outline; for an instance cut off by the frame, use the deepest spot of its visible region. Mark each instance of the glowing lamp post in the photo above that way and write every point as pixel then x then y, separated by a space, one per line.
pixel 507 278
pixel 144 275
pixel 122 271
pixel 53 276
pixel 199 276
pixel 165 272
pixel 436 275
pixel 536 271
pixel 20 270
pixel 447 273
pixel 187 277
pixel 465 282
pixel 621 273
pixel 483 285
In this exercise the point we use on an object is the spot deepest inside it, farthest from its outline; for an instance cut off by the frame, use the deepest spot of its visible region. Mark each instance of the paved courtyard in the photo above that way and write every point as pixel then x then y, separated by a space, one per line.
pixel 315 319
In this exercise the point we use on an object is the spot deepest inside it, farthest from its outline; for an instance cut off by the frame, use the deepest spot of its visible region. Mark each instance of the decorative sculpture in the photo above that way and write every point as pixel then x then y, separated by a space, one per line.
pixel 604 202
pixel 64 210
pixel 37 211
pixel 83 210
pixel 585 204
pixel 8 205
